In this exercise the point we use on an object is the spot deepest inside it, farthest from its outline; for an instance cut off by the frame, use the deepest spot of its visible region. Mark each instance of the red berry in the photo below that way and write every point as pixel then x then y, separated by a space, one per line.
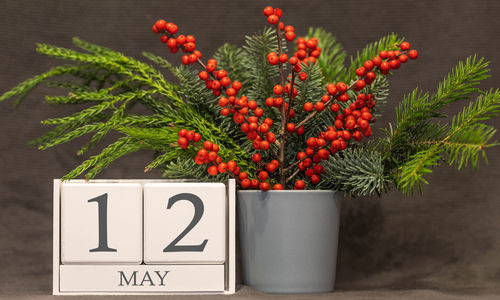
pixel 283 58
pixel 278 12
pixel 268 11
pixel 343 98
pixel 212 170
pixel 183 142
pixel 263 175
pixel 208 145
pixel 197 137
pixel 190 47
pixel 225 81
pixel 311 142
pixel 315 179
pixel 319 106
pixel 172 29
pixel 278 90
pixel 395 64
pixel 256 157
pixel 404 46
pixel 245 183
pixel 211 67
pixel 377 61
pixel 360 84
pixel 160 24
pixel 308 106
pixel 181 39
pixel 368 65
pixel 273 19
pixel 185 60
pixel 383 54
pixel 413 54
pixel 264 186
pixel 290 36
pixel 360 71
pixel 270 167
pixel 190 135
pixel 370 76
pixel 255 183
pixel 203 75
pixel 290 127
pixel 341 87
pixel 385 67
pixel 277 186
pixel 293 60
pixel 155 29
pixel 403 58
pixel 273 59
pixel 303 76
pixel 236 85
pixel 300 130
pixel 312 43
pixel 182 133
pixel 335 107
pixel 270 102
pixel 190 39
pixel 222 167
pixel 258 112
pixel 300 185
pixel 264 145
pixel 331 89
pixel 230 92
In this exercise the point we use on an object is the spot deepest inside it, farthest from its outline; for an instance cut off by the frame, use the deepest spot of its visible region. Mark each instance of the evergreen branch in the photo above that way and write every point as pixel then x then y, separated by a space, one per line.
pixel 80 116
pixel 71 135
pixel 160 61
pixel 96 49
pixel 117 149
pixel 22 89
pixel 232 59
pixel 356 171
pixel 331 60
pixel 186 168
pixel 411 173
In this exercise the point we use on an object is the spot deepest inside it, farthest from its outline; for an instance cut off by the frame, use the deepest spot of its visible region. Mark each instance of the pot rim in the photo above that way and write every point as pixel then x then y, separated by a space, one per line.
pixel 286 191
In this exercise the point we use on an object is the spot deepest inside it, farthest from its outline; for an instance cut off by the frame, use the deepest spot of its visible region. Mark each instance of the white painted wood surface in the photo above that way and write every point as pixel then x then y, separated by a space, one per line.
pixel 142 278
pixel 80 223
pixel 163 225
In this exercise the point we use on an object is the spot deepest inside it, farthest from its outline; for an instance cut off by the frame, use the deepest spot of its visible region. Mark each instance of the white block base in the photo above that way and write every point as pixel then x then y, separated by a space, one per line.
pixel 142 278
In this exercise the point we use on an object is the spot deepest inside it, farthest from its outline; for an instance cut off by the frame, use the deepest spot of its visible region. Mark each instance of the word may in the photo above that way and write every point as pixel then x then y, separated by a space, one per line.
pixel 132 279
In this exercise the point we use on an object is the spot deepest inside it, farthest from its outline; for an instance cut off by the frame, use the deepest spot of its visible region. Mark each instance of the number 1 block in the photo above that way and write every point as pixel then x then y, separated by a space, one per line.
pixel 101 223
pixel 184 223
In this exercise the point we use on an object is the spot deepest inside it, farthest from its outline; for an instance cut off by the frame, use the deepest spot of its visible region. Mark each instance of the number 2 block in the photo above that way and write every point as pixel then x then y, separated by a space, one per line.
pixel 184 223
pixel 101 223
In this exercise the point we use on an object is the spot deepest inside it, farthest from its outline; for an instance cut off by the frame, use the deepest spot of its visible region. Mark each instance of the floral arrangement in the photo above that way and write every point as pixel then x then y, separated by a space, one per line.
pixel 270 117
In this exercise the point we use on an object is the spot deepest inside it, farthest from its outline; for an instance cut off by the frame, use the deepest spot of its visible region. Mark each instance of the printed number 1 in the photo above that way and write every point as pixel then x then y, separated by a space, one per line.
pixel 102 203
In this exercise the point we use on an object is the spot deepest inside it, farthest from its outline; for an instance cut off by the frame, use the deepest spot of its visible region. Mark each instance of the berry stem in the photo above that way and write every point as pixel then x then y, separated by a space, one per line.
pixel 282 132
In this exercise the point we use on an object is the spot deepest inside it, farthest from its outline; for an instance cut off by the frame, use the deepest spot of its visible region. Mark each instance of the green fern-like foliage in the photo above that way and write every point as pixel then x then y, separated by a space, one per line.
pixel 107 84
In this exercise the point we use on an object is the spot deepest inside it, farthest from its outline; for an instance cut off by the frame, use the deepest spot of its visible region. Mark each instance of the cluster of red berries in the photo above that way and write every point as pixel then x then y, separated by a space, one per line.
pixel 207 153
pixel 185 43
pixel 351 123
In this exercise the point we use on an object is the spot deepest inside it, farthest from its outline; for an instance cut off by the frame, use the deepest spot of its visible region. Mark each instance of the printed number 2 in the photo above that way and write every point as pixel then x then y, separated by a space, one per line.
pixel 198 213
pixel 102 203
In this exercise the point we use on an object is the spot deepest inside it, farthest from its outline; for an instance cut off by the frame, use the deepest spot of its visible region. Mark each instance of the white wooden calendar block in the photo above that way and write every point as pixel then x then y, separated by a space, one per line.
pixel 193 222
pixel 184 223
pixel 101 223
pixel 143 278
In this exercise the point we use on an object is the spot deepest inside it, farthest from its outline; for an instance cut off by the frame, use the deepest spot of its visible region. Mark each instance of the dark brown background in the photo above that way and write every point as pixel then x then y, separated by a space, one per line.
pixel 448 239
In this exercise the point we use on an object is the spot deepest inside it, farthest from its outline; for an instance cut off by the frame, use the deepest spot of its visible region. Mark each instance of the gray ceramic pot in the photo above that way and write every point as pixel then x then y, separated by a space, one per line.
pixel 289 240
